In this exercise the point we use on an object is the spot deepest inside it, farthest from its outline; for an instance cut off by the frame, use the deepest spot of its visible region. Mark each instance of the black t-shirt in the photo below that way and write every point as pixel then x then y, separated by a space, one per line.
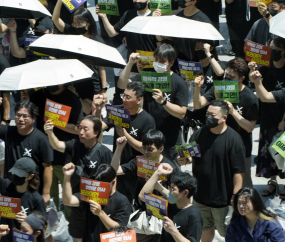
pixel 222 156
pixel 259 32
pixel 135 41
pixel 188 221
pixel 186 46
pixel 248 108
pixel 67 98
pixel 169 125
pixel 34 145
pixel 280 96
pixel 31 201
pixel 119 210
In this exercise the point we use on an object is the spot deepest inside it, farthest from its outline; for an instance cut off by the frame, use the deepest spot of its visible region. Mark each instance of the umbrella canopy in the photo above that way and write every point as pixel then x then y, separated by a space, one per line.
pixel 27 9
pixel 173 26
pixel 87 50
pixel 43 73
pixel 277 24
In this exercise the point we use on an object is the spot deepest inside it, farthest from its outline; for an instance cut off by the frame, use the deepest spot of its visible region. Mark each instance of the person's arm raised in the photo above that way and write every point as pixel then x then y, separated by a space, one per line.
pixel 216 66
pixel 199 101
pixel 15 49
pixel 108 27
pixel 3 27
pixel 53 140
pixel 58 22
pixel 116 160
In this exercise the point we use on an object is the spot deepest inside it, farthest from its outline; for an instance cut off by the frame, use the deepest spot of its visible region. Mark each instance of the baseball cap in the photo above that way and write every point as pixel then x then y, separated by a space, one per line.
pixel 44 23
pixel 24 166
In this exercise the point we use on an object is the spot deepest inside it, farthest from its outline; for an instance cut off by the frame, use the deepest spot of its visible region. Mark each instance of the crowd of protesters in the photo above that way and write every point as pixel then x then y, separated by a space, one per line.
pixel 38 157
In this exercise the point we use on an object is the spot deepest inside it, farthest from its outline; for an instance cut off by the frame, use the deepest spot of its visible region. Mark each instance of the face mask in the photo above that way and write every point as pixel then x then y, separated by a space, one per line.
pixel 140 6
pixel 181 3
pixel 52 88
pixel 272 11
pixel 172 199
pixel 18 181
pixel 159 68
pixel 276 55
pixel 201 54
pixel 81 30
pixel 212 122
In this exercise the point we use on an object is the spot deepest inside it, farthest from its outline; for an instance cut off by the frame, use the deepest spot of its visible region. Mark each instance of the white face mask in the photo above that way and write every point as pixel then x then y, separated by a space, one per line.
pixel 159 68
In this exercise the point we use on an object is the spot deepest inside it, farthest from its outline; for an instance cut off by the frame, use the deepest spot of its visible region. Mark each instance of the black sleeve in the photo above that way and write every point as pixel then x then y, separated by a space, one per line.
pixel 69 147
pixel 105 120
pixel 118 26
pixel 3 131
pixel 251 34
pixel 181 96
pixel 4 183
pixel 278 96
pixel 77 194
pixel 107 156
pixel 76 113
pixel 194 231
pixel 46 154
pixel 99 39
pixel 69 30
pixel 39 204
pixel 136 78
pixel 123 212
pixel 130 167
pixel 237 155
pixel 210 95
pixel 252 112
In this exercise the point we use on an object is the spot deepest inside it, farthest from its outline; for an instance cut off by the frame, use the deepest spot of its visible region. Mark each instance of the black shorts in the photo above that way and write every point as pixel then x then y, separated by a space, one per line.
pixel 76 222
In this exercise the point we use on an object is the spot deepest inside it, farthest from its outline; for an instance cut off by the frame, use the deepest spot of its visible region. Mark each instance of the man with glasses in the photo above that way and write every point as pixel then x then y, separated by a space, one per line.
pixel 25 140
pixel 141 123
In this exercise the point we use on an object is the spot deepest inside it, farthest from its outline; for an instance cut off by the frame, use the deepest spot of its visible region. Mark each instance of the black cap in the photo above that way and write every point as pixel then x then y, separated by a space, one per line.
pixel 24 166
pixel 44 23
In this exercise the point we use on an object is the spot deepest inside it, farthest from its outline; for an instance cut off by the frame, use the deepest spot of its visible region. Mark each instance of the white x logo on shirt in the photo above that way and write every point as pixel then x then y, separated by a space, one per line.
pixel 134 131
pixel 27 152
pixel 209 79
pixel 167 97
pixel 279 85
pixel 92 164
pixel 239 110
pixel 23 210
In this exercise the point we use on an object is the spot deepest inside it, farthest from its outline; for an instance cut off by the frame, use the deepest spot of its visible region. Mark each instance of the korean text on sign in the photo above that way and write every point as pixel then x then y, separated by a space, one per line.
pixel 146 58
pixel 96 191
pixel 191 149
pixel 22 237
pixel 226 90
pixel 279 145
pixel 161 81
pixel 109 7
pixel 72 5
pixel 118 116
pixel 163 5
pixel 29 40
pixel 129 235
pixel 260 54
pixel 9 207
pixel 155 205
pixel 189 70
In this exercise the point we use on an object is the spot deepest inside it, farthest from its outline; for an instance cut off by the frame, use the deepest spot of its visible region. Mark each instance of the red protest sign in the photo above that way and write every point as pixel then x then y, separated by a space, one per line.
pixel 57 113
pixel 260 54
pixel 96 191
pixel 255 3
pixel 145 168
pixel 9 207
pixel 129 235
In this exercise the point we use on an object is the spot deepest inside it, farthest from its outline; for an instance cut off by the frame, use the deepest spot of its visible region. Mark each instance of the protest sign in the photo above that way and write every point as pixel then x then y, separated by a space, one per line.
pixel 44 2
pixel 163 5
pixel 255 3
pixel 22 237
pixel 72 5
pixel 279 145
pixel 9 207
pixel 260 54
pixel 109 7
pixel 147 167
pixel 226 90
pixel 118 116
pixel 27 41
pixel 191 149
pixel 152 80
pixel 129 235
pixel 57 113
pixel 189 69
pixel 96 191
pixel 155 205
pixel 146 58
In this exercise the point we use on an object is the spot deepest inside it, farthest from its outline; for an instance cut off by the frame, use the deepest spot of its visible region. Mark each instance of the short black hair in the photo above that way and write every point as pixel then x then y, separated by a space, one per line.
pixel 222 104
pixel 239 65
pixel 280 2
pixel 184 180
pixel 33 109
pixel 165 52
pixel 155 137
pixel 138 87
pixel 97 124
pixel 104 173
pixel 278 41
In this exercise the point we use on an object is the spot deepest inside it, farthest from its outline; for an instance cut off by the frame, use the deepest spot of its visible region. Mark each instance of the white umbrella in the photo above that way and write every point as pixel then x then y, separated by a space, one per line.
pixel 87 50
pixel 43 73
pixel 173 26
pixel 27 9
pixel 277 24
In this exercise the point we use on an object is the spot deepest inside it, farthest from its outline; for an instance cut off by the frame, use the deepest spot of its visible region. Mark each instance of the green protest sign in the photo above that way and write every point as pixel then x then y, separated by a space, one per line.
pixel 109 7
pixel 163 5
pixel 226 90
pixel 152 80
pixel 279 145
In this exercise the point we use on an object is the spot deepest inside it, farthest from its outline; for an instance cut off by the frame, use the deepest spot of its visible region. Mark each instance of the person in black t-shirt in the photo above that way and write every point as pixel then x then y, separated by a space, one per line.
pixel 99 219
pixel 243 115
pixel 141 122
pixel 219 170
pixel 184 221
pixel 166 108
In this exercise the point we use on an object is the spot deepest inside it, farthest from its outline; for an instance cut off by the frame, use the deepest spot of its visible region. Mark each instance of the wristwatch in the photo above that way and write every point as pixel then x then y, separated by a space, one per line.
pixel 164 102
pixel 7 121
pixel 104 89
pixel 211 56
pixel 267 15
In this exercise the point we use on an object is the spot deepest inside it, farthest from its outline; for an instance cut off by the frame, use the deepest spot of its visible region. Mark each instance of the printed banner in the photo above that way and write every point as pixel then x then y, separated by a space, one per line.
pixel 129 235
pixel 191 149
pixel 9 207
pixel 226 90
pixel 163 5
pixel 29 40
pixel 109 7
pixel 146 58
pixel 72 5
pixel 57 113
pixel 152 80
pixel 155 205
pixel 96 191
pixel 260 54
pixel 255 3
pixel 189 69
pixel 147 167
pixel 22 237
pixel 118 116
pixel 279 145
pixel 44 2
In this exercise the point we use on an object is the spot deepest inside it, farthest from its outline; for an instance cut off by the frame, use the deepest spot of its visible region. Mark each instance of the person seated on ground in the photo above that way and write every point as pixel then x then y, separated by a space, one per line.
pixel 98 219
pixel 184 221
pixel 251 221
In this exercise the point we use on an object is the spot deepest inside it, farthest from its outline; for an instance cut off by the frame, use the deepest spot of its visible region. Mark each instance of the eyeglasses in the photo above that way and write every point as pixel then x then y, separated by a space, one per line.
pixel 122 95
pixel 25 116
pixel 148 149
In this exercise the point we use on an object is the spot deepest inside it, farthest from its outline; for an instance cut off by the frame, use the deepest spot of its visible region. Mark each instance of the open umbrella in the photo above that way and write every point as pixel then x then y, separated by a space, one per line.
pixel 27 9
pixel 277 24
pixel 43 73
pixel 87 50
pixel 173 26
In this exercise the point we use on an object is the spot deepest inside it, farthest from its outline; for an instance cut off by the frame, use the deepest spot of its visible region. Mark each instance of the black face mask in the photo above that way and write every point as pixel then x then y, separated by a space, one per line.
pixel 39 34
pixel 140 6
pixel 18 181
pixel 181 3
pixel 272 11
pixel 81 30
pixel 52 88
pixel 201 54
pixel 276 55
pixel 211 122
